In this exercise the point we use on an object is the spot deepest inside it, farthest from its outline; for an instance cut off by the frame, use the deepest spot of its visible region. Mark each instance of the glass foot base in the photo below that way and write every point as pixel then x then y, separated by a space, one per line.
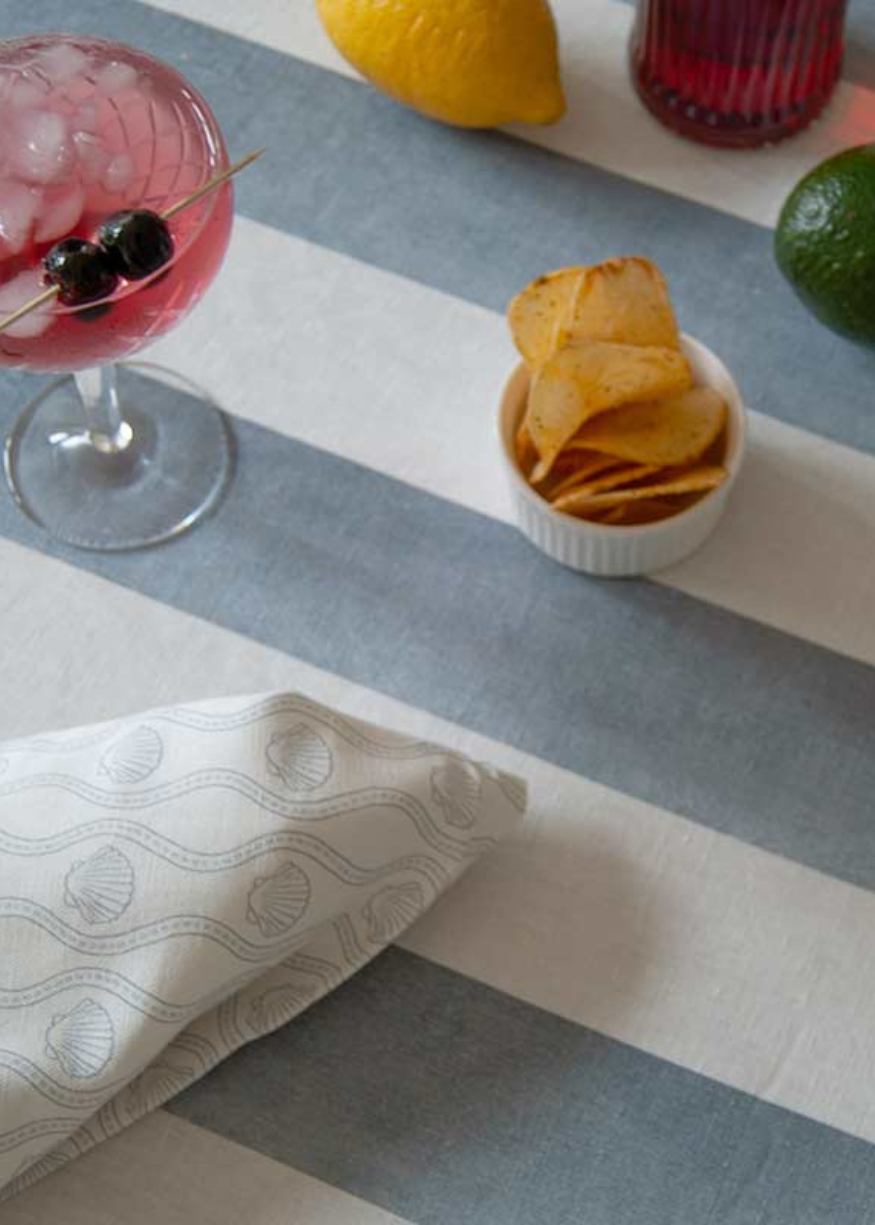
pixel 173 467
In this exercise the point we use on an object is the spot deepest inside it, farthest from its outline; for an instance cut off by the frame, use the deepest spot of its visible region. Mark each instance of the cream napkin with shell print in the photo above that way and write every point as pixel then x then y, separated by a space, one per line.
pixel 176 884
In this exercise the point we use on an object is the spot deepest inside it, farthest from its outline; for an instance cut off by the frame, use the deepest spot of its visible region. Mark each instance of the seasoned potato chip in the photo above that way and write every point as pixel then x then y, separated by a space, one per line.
pixel 624 300
pixel 577 446
pixel 646 510
pixel 696 481
pixel 572 468
pixel 620 478
pixel 591 465
pixel 524 448
pixel 587 377
pixel 539 315
pixel 674 430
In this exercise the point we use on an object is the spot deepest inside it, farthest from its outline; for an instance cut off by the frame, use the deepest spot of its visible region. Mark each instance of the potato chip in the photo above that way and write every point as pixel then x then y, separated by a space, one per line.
pixel 626 301
pixel 575 445
pixel 524 449
pixel 634 514
pixel 620 478
pixel 716 453
pixel 671 431
pixel 587 377
pixel 698 480
pixel 572 468
pixel 539 315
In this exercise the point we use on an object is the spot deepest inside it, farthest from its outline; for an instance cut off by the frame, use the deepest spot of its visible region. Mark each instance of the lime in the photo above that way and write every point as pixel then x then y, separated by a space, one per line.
pixel 825 243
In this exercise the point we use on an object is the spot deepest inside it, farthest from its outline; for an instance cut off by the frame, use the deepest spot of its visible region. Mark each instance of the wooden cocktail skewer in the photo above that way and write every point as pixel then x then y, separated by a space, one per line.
pixel 210 185
pixel 30 306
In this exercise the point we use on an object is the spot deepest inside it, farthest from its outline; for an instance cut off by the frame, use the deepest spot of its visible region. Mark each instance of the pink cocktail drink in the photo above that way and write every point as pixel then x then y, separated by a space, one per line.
pixel 88 128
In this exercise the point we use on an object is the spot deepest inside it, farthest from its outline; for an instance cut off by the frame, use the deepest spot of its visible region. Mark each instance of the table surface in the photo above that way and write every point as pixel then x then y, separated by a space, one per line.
pixel 656 1003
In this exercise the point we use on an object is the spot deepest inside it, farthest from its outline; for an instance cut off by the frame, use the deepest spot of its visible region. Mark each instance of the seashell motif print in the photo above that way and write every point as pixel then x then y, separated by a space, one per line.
pixel 300 757
pixel 134 757
pixel 82 1041
pixel 276 902
pixel 100 887
pixel 513 788
pixel 392 909
pixel 159 1082
pixel 456 788
pixel 278 1005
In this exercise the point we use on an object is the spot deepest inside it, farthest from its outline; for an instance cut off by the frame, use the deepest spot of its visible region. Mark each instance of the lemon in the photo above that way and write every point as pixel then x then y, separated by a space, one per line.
pixel 473 63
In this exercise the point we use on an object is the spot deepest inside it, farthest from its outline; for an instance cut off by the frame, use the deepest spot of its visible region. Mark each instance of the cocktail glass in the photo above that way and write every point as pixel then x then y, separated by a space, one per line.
pixel 108 456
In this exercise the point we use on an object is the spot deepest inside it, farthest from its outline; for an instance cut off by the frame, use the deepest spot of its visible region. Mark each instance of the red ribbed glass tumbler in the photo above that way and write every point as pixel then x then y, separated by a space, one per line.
pixel 737 72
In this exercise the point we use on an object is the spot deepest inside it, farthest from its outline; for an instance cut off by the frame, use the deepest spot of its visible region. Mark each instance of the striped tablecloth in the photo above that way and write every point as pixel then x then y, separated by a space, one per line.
pixel 657 1004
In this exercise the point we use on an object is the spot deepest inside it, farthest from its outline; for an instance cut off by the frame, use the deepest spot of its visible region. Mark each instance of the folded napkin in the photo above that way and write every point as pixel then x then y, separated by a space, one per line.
pixel 176 884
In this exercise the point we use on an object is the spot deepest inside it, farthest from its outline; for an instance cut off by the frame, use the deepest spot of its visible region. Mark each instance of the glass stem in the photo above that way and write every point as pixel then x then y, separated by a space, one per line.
pixel 107 430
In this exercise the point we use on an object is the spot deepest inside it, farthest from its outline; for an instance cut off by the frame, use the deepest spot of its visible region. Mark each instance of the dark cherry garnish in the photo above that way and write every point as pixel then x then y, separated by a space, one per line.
pixel 137 242
pixel 89 313
pixel 159 279
pixel 81 271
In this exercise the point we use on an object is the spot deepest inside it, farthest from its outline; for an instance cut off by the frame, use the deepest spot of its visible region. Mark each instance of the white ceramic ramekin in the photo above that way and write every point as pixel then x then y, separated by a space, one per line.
pixel 614 551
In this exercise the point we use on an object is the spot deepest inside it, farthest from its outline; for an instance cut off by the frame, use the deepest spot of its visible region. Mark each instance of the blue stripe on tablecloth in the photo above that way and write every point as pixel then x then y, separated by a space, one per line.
pixel 445 1101
pixel 479 214
pixel 736 725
